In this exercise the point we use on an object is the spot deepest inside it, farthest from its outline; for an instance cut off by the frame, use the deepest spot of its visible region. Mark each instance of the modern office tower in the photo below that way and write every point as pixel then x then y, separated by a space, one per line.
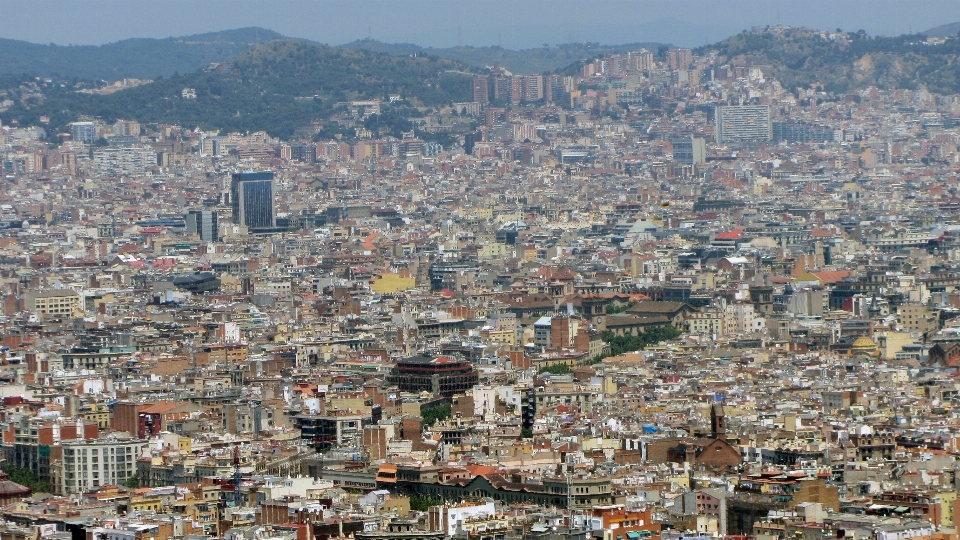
pixel 743 123
pixel 252 197
pixel 203 223
pixel 679 58
pixel 481 89
pixel 85 132
pixel 690 150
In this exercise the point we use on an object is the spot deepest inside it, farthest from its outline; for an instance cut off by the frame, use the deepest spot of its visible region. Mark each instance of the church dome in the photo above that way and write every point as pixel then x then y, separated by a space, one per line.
pixel 863 344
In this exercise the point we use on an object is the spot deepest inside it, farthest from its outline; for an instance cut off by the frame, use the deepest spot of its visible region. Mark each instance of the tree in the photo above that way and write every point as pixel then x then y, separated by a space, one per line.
pixel 630 342
pixel 557 369
pixel 26 478
pixel 423 504
pixel 132 482
pixel 431 415
pixel 616 307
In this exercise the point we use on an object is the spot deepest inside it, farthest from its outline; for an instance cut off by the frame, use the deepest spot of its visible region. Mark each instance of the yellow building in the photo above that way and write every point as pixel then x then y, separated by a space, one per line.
pixel 389 283
pixel 96 412
pixel 502 335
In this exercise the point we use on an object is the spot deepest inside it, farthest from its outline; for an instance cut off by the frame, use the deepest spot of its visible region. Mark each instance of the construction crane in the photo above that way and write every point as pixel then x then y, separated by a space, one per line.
pixel 237 496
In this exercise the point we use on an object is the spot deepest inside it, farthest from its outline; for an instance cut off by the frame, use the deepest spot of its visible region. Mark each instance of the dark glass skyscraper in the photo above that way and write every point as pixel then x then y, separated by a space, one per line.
pixel 252 197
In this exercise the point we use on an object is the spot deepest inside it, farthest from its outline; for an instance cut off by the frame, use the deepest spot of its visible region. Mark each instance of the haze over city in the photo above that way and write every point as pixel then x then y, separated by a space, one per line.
pixel 438 23
pixel 490 270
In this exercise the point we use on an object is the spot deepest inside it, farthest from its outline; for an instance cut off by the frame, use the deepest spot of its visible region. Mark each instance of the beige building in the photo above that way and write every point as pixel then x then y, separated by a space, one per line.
pixel 58 302
pixel 917 318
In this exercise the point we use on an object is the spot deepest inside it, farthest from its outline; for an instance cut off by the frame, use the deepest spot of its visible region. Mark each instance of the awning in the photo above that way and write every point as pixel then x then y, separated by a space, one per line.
pixel 900 509
pixel 633 535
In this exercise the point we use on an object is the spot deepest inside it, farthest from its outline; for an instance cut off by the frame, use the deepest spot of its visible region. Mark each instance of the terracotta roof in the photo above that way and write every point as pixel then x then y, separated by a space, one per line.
pixel 160 408
pixel 730 235
pixel 832 276
pixel 9 488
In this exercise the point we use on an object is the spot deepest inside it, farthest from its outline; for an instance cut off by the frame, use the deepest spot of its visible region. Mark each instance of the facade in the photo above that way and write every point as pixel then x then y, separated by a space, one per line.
pixel 90 464
pixel 59 302
pixel 679 58
pixel 743 123
pixel 532 88
pixel 443 375
pixel 199 282
pixel 690 150
pixel 450 519
pixel 481 90
pixel 329 430
pixel 203 223
pixel 588 491
pixel 116 161
pixel 252 197
pixel 799 132
pixel 85 132
pixel 304 152
pixel 31 448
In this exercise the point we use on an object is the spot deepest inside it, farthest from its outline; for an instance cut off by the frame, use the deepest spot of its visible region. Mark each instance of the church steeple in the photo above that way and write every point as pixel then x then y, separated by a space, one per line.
pixel 874 309
pixel 718 422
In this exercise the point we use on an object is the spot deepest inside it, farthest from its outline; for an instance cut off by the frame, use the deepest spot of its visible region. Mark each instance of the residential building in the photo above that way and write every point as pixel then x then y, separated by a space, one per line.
pixel 89 464
pixel 743 123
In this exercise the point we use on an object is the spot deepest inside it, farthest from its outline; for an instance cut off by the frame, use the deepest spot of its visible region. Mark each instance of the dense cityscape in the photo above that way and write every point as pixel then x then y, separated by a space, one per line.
pixel 656 295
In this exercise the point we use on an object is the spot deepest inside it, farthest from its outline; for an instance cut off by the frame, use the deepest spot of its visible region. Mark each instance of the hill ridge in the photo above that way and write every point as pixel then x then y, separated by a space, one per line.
pixel 264 89
pixel 518 61
pixel 136 58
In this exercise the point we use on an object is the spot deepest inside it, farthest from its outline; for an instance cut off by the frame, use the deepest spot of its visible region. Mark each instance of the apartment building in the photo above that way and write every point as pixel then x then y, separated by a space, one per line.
pixel 89 464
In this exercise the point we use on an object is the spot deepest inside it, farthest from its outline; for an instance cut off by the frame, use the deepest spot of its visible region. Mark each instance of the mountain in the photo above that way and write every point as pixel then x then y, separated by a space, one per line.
pixel 844 62
pixel 520 62
pixel 944 30
pixel 278 87
pixel 139 58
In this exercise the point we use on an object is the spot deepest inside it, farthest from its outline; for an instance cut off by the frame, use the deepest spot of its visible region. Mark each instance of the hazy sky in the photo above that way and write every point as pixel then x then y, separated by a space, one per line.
pixel 512 23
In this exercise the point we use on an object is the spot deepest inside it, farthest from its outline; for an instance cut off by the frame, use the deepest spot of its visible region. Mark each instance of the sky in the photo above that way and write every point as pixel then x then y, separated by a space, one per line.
pixel 513 24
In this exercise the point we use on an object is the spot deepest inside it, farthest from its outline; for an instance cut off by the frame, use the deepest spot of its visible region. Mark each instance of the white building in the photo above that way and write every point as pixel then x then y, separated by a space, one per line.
pixel 115 161
pixel 450 519
pixel 89 464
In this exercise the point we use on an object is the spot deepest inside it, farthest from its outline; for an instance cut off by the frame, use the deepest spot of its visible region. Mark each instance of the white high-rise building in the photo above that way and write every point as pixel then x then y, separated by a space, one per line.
pixel 743 123
pixel 89 464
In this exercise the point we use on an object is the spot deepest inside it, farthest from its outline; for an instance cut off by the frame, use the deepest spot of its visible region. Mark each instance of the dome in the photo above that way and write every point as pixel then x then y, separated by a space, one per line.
pixel 863 344
pixel 11 488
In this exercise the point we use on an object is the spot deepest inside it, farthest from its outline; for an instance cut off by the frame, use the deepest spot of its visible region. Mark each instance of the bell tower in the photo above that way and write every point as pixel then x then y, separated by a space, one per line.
pixel 718 422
